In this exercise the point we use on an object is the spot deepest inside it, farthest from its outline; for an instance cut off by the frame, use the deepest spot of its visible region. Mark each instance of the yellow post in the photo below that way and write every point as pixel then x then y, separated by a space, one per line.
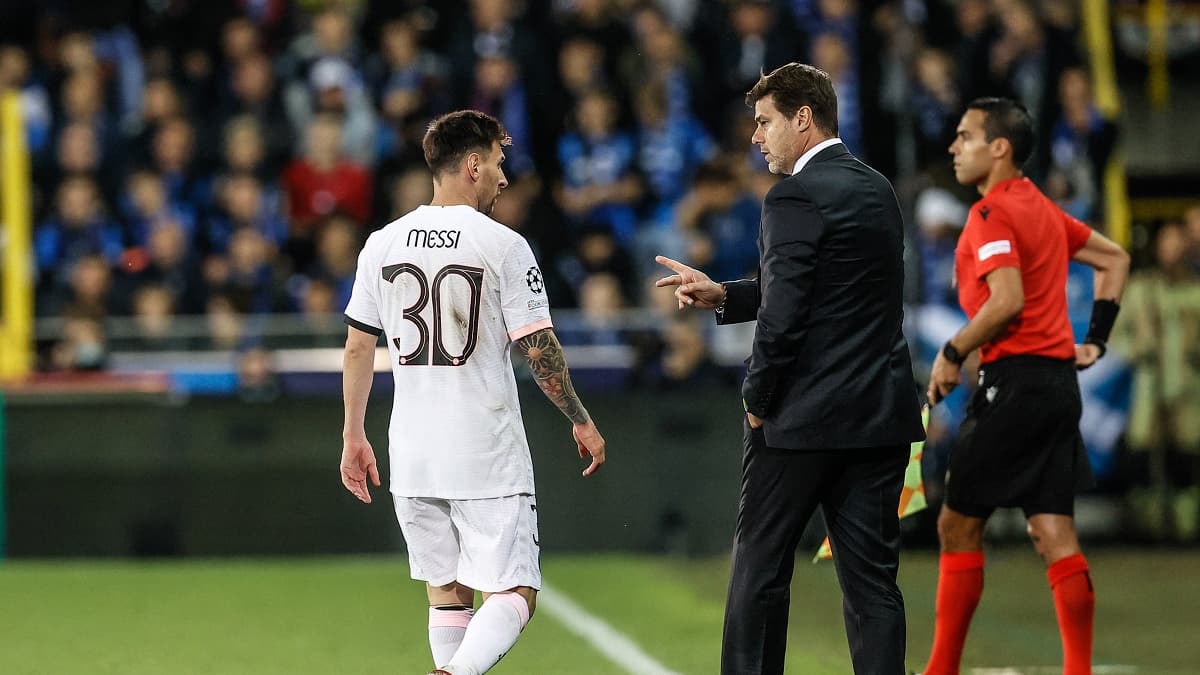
pixel 16 332
pixel 1096 26
pixel 1158 78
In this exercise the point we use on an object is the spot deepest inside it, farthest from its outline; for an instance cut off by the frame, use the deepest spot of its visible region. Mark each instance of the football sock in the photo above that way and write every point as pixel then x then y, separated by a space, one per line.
pixel 447 625
pixel 493 631
pixel 960 584
pixel 1075 605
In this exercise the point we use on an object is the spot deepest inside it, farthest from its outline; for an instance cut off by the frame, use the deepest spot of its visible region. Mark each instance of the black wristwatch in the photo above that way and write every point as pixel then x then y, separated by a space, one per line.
pixel 952 355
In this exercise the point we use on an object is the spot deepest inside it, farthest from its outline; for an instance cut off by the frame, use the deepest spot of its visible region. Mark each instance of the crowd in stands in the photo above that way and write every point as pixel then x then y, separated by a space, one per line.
pixel 225 159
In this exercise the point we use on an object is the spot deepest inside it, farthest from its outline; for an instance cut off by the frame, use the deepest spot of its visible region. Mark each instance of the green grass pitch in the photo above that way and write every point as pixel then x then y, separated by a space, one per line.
pixel 363 615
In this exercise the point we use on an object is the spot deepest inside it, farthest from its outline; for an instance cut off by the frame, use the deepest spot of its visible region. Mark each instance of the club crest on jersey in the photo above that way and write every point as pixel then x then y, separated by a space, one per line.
pixel 533 277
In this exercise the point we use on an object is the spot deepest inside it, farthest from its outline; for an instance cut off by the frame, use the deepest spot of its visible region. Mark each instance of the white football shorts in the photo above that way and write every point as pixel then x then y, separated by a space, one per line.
pixel 490 545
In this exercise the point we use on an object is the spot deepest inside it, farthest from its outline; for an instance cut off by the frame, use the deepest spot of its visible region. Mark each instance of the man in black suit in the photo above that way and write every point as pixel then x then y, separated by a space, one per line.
pixel 831 404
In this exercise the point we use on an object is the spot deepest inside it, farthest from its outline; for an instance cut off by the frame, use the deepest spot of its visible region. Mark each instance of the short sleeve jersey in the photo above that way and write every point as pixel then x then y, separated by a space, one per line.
pixel 451 289
pixel 1015 225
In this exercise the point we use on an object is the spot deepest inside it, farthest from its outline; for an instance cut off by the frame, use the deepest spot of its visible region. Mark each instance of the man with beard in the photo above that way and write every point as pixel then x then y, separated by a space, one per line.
pixel 453 289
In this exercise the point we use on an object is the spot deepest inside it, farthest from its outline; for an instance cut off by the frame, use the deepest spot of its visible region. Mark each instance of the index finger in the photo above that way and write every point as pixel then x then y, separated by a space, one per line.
pixel 673 264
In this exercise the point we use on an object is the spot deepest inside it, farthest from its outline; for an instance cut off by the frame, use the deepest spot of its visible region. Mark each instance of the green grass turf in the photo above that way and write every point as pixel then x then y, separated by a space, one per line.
pixel 360 615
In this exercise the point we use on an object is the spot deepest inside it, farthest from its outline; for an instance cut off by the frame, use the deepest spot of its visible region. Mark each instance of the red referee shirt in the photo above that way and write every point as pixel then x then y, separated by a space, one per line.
pixel 1015 225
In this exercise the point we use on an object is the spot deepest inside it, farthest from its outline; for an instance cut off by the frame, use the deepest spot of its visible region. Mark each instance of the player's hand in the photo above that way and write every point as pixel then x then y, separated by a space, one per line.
pixel 943 378
pixel 358 462
pixel 590 443
pixel 695 289
pixel 755 422
pixel 1085 355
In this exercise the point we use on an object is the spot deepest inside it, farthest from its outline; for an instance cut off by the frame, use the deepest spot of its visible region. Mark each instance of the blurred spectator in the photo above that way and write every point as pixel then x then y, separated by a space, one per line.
pixel 160 103
pixel 338 91
pixel 243 205
pixel 1158 331
pixel 254 94
pixel 91 289
pixel 245 277
pixel 600 304
pixel 1191 222
pixel 660 54
pixel 936 106
pixel 83 346
pixel 153 313
pixel 82 102
pixel 187 187
pixel 257 381
pixel 754 41
pixel 718 223
pixel 831 53
pixel 499 91
pixel 77 227
pixel 685 362
pixel 596 253
pixel 321 183
pixel 225 323
pixel 592 34
pixel 581 68
pixel 169 261
pixel 145 207
pixel 1081 143
pixel 413 188
pixel 940 219
pixel 669 149
pixel 321 314
pixel 599 184
pixel 244 151
pixel 407 82
pixel 16 74
pixel 338 245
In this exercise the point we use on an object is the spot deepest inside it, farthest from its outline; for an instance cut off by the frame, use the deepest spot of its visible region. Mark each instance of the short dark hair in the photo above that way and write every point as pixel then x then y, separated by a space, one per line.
pixel 796 85
pixel 1006 118
pixel 454 135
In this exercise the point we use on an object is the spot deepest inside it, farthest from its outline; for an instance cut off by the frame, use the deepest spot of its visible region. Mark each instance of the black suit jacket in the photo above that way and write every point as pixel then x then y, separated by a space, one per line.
pixel 830 367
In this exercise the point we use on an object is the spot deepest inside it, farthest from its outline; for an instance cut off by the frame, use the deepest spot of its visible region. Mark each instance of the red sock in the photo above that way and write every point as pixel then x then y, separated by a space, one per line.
pixel 1075 604
pixel 960 583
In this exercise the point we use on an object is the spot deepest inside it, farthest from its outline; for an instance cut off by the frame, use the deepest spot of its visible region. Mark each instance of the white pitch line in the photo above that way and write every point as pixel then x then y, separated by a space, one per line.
pixel 599 634
pixel 1053 669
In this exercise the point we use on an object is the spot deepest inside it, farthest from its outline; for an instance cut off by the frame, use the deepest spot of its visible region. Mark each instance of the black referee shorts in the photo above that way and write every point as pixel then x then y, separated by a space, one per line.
pixel 1019 444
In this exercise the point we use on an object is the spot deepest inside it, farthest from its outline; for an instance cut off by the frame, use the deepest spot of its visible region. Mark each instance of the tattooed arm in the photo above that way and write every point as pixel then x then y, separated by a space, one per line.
pixel 545 356
pixel 549 365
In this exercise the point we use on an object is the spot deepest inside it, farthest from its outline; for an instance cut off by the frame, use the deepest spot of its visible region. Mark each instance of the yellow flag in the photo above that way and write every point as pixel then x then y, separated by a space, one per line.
pixel 912 495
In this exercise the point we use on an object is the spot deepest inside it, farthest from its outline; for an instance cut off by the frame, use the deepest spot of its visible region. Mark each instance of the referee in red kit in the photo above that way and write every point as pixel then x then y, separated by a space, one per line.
pixel 1019 444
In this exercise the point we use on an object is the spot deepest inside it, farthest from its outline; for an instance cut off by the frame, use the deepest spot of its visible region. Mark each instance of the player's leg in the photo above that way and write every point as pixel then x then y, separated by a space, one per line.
pixel 500 558
pixel 864 533
pixel 451 607
pixel 960 583
pixel 433 554
pixel 1067 571
pixel 780 491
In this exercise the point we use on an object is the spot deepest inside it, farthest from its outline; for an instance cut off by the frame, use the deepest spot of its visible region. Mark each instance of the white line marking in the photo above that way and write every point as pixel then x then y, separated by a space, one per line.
pixel 599 634
pixel 1053 670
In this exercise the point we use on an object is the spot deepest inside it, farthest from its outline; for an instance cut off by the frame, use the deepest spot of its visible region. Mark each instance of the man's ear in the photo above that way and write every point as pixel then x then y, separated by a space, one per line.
pixel 999 147
pixel 473 161
pixel 804 118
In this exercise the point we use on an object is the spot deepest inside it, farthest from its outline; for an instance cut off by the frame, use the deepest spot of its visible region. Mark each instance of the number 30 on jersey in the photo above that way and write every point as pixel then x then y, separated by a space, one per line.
pixel 439 355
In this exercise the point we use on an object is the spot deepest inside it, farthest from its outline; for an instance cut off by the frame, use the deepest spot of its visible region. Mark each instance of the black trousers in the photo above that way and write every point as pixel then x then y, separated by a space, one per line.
pixel 858 492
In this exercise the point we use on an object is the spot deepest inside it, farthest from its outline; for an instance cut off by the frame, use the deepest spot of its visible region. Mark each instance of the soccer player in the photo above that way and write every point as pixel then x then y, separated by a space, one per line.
pixel 1019 444
pixel 452 289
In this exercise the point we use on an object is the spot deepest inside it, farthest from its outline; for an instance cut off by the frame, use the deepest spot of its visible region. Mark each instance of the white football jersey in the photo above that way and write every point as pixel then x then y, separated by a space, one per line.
pixel 450 289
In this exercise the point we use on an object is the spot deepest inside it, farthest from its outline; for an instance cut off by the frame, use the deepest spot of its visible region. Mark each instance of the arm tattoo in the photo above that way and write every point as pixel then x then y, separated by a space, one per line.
pixel 549 366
